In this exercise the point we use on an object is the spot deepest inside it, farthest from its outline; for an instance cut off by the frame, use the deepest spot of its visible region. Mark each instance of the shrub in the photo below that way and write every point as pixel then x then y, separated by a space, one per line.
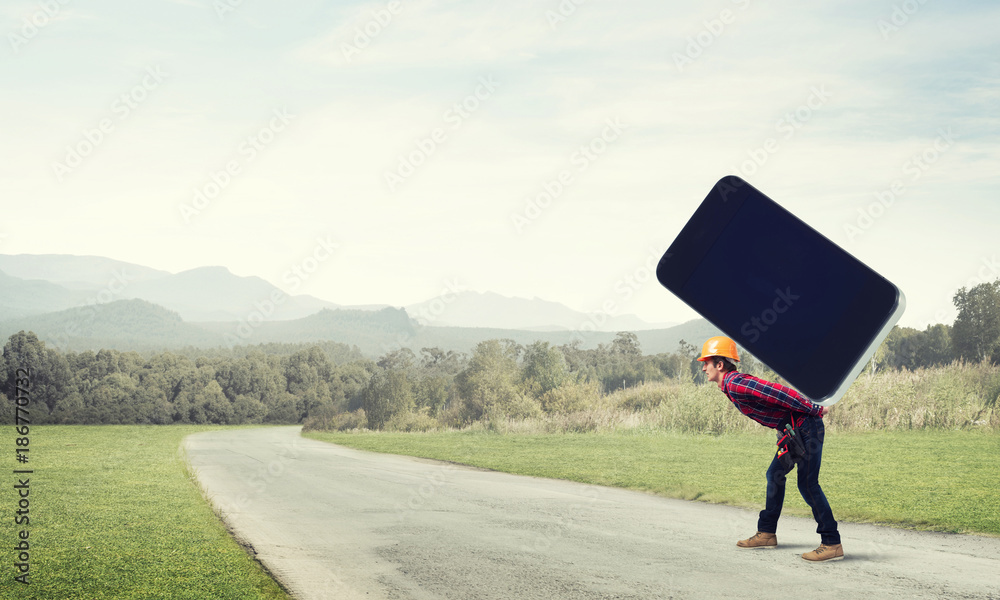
pixel 325 421
pixel 412 421
pixel 571 397
pixel 353 420
pixel 518 406
pixel 321 419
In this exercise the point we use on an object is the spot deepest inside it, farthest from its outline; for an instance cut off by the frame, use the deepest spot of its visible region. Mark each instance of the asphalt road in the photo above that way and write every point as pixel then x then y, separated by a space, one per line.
pixel 335 523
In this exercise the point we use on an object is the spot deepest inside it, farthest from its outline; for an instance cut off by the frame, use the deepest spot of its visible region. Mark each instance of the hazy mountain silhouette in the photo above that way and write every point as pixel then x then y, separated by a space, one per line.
pixel 216 294
pixel 89 302
pixel 202 294
pixel 212 293
pixel 488 309
pixel 121 325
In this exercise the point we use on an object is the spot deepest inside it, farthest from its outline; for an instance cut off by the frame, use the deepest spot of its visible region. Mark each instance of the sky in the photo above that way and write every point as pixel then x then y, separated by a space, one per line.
pixel 393 151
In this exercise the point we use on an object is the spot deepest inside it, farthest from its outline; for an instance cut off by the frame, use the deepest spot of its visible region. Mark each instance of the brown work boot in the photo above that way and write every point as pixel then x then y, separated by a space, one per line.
pixel 759 540
pixel 825 552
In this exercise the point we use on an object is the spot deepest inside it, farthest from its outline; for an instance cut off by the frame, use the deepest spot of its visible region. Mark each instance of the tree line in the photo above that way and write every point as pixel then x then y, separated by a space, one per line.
pixel 333 385
pixel 114 387
pixel 973 337
pixel 282 383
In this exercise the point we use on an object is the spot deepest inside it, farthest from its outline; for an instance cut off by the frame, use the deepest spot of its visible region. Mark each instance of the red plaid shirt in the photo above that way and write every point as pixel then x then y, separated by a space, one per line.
pixel 768 403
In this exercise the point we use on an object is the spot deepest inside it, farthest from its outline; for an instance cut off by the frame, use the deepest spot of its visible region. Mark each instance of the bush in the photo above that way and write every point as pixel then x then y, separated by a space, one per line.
pixel 412 421
pixel 388 392
pixel 571 397
pixel 516 407
pixel 321 419
pixel 649 396
pixel 326 421
pixel 353 420
pixel 454 416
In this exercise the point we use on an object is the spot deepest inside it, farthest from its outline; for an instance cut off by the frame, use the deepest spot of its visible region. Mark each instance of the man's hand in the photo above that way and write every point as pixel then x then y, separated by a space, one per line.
pixel 825 410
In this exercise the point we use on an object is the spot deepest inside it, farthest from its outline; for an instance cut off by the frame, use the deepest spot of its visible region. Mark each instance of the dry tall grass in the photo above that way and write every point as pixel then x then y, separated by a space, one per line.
pixel 957 396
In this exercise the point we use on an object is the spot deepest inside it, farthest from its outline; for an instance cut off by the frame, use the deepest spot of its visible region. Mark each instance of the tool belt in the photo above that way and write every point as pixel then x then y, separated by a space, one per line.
pixel 791 448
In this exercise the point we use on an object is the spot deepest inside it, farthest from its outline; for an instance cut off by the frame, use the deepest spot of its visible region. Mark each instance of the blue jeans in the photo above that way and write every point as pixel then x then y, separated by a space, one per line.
pixel 812 433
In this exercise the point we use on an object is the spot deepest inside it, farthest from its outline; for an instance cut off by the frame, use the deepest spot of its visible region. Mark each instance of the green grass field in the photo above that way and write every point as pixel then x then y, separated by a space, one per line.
pixel 936 480
pixel 114 514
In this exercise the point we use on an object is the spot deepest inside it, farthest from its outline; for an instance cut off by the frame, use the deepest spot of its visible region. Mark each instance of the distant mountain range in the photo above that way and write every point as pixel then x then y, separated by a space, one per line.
pixel 40 283
pixel 488 309
pixel 119 325
pixel 202 294
pixel 143 326
pixel 88 302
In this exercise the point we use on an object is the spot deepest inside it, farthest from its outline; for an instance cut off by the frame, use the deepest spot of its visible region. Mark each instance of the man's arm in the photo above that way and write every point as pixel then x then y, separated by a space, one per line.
pixel 786 397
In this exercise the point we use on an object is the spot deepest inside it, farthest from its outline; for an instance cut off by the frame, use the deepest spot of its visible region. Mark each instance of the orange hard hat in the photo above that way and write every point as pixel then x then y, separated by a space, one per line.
pixel 719 346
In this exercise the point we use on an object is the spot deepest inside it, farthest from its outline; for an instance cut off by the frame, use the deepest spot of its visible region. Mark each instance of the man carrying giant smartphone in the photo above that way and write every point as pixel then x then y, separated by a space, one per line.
pixel 774 405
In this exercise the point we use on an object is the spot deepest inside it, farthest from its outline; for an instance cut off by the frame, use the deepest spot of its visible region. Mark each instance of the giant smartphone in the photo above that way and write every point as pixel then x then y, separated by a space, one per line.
pixel 801 304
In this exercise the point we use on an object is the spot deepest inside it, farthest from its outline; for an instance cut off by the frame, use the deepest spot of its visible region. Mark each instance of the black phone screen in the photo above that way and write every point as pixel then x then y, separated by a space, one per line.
pixel 779 288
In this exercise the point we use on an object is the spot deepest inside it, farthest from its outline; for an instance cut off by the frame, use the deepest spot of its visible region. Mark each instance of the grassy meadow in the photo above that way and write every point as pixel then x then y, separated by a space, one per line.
pixel 917 449
pixel 955 397
pixel 115 514
pixel 936 480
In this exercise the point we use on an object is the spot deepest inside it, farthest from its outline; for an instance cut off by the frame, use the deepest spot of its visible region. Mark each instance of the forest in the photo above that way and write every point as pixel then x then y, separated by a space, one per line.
pixel 332 385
